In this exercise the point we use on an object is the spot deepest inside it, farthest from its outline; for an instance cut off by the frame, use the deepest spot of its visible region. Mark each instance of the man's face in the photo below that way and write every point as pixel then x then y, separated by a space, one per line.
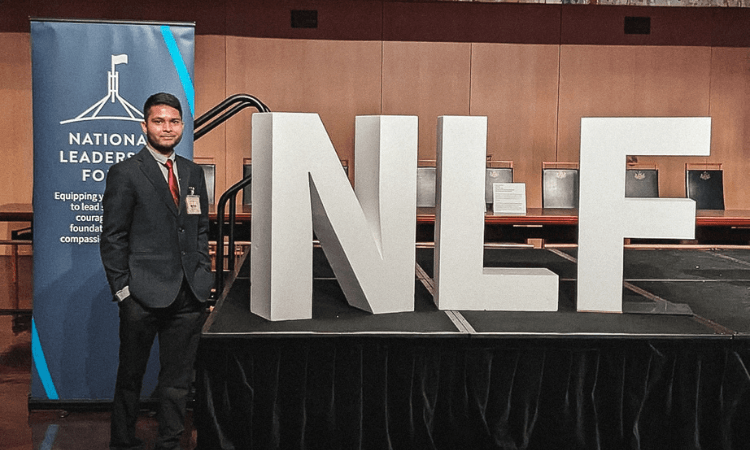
pixel 163 128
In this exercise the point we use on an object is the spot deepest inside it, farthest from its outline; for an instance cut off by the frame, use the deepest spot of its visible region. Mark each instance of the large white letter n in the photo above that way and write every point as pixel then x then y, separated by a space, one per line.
pixel 368 238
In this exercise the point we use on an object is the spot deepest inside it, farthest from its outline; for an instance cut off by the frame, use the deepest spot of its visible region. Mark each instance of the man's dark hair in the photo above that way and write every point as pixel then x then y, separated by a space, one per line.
pixel 162 98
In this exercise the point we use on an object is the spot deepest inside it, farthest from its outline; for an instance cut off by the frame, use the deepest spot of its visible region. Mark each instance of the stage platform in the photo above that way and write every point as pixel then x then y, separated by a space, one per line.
pixel 670 372
pixel 701 294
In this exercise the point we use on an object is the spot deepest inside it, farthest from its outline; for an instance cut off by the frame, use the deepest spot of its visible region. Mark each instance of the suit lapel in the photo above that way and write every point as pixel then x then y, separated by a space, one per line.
pixel 151 169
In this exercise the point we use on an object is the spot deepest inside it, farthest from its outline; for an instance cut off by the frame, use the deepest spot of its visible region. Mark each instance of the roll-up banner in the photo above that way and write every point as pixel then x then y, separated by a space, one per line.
pixel 90 80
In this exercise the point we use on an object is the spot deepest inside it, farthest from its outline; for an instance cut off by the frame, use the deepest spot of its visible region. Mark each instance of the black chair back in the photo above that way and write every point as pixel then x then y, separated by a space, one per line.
pixel 559 188
pixel 496 175
pixel 209 170
pixel 426 181
pixel 706 187
pixel 642 183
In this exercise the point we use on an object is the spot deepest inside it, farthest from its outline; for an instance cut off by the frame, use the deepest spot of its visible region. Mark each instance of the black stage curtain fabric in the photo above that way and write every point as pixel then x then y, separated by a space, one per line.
pixel 381 393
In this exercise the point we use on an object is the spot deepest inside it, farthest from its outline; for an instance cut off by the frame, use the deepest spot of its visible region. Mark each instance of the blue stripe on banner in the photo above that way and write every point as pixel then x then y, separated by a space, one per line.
pixel 41 363
pixel 179 64
pixel 49 437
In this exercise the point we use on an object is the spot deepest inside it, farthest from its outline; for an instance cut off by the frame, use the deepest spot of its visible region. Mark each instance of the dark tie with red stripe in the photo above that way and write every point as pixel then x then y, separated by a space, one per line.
pixel 174 187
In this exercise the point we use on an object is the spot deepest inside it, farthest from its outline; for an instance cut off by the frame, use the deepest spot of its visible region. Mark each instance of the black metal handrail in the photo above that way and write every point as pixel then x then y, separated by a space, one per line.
pixel 211 119
pixel 230 194
pixel 202 125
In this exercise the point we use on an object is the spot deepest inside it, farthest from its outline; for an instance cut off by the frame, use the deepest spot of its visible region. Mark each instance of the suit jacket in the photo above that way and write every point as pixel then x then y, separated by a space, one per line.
pixel 146 243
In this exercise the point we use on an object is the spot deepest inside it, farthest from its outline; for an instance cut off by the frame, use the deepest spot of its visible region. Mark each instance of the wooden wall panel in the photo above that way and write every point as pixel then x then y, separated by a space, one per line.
pixel 515 86
pixel 612 81
pixel 336 79
pixel 16 130
pixel 673 82
pixel 594 81
pixel 210 90
pixel 377 57
pixel 471 22
pixel 428 80
pixel 337 19
pixel 730 115
pixel 16 117
pixel 605 25
pixel 209 17
pixel 15 16
pixel 730 27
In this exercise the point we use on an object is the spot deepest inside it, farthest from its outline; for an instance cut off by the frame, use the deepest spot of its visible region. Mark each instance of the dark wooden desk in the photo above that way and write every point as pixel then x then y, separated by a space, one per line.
pixel 549 225
pixel 556 225
pixel 723 218
pixel 16 212
pixel 549 216
pixel 533 216
pixel 23 212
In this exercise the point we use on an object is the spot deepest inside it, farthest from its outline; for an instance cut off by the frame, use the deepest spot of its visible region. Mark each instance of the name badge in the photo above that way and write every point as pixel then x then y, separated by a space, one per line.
pixel 193 204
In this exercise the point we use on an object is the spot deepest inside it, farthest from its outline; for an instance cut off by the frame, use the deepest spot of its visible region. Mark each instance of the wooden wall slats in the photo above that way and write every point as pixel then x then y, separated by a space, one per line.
pixel 16 131
pixel 534 70
pixel 337 19
pixel 16 140
pixel 336 79
pixel 730 113
pixel 604 81
pixel 436 21
pixel 464 22
pixel 605 25
pixel 516 87
pixel 426 79
pixel 210 90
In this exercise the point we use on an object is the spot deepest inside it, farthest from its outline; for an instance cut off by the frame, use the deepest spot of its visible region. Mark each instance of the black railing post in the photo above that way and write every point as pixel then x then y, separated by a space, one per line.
pixel 232 216
pixel 229 195
pixel 202 125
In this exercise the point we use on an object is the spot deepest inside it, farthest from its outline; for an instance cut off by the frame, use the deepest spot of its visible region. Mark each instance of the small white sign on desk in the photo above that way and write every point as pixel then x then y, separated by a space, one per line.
pixel 509 199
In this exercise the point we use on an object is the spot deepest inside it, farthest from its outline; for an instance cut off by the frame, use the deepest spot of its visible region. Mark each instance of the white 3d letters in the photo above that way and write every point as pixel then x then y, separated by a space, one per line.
pixel 368 238
pixel 605 216
pixel 460 280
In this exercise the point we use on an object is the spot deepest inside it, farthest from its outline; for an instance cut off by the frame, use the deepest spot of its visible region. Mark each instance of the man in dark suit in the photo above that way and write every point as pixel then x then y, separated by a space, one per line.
pixel 154 247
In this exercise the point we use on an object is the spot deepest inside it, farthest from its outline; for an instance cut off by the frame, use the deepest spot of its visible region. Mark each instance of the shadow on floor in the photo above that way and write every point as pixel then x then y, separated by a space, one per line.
pixel 21 429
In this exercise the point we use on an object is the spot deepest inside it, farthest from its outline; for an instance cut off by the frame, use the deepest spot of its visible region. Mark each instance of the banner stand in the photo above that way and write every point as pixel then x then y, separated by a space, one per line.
pixel 90 80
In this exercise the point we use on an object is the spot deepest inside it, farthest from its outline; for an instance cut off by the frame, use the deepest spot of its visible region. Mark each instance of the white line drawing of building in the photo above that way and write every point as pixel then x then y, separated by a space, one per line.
pixel 130 112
